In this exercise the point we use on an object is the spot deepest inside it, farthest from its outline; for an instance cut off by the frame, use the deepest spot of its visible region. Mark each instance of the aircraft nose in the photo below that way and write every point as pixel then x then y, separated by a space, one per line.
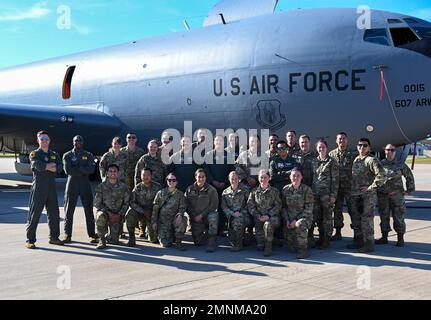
pixel 422 46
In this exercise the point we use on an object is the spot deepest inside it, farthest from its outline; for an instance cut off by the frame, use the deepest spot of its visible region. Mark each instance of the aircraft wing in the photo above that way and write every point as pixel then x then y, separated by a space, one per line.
pixel 24 121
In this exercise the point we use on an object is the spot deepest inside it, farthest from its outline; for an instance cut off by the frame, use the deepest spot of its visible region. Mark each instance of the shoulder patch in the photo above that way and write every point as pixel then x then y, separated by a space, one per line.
pixel 32 154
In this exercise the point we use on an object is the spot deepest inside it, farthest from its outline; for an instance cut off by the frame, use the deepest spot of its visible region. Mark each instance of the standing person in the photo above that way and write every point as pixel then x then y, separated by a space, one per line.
pixel 217 169
pixel 183 165
pixel 272 153
pixel 79 165
pixel 391 196
pixel 281 167
pixel 264 204
pixel 166 145
pixel 305 157
pixel 250 162
pixel 297 199
pixel 202 204
pixel 111 201
pixel 233 147
pixel 152 161
pixel 114 156
pixel 325 188
pixel 367 175
pixel 168 218
pixel 141 206
pixel 234 206
pixel 345 160
pixel 292 146
pixel 134 153
pixel 45 164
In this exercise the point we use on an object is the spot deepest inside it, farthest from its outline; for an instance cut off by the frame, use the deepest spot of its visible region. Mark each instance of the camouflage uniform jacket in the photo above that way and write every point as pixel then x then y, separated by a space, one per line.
pixel 133 157
pixel 264 202
pixel 201 201
pixel 142 197
pixel 248 162
pixel 367 172
pixel 159 169
pixel 110 158
pixel 297 203
pixel 293 150
pixel 234 200
pixel 394 172
pixel 272 154
pixel 325 177
pixel 305 160
pixel 112 197
pixel 345 162
pixel 168 204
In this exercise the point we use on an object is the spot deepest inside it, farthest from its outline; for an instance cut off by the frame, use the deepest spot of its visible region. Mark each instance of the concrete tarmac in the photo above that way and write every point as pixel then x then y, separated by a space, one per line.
pixel 78 271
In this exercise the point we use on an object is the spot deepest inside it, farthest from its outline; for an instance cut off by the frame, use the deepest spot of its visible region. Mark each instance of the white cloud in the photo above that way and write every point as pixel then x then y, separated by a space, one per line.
pixel 83 30
pixel 38 11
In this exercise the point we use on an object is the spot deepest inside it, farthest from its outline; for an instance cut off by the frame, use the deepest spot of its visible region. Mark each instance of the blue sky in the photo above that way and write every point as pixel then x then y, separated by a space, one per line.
pixel 29 31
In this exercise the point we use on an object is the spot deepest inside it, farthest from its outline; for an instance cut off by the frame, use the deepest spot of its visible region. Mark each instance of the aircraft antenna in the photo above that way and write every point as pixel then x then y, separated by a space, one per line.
pixel 186 24
pixel 284 58
pixel 222 18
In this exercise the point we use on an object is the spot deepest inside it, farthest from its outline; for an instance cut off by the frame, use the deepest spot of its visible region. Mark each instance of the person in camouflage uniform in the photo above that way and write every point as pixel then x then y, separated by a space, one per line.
pixel 168 214
pixel 111 201
pixel 233 148
pixel 272 153
pixel 292 146
pixel 153 162
pixel 345 160
pixel 141 206
pixel 134 153
pixel 391 196
pixel 325 188
pixel 264 204
pixel 305 158
pixel 234 206
pixel 114 156
pixel 202 204
pixel 297 213
pixel 250 162
pixel 367 175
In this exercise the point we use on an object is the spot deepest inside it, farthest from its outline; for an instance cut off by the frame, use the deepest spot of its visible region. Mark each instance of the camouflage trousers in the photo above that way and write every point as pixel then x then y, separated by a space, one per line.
pixel 237 227
pixel 298 238
pixel 323 214
pixel 265 230
pixel 168 228
pixel 343 195
pixel 394 204
pixel 363 215
pixel 208 227
pixel 132 219
pixel 130 182
pixel 103 227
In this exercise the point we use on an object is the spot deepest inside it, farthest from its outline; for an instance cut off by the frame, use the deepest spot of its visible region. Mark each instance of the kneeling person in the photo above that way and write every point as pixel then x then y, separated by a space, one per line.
pixel 264 204
pixel 141 206
pixel 202 204
pixel 111 201
pixel 297 213
pixel 168 214
pixel 234 206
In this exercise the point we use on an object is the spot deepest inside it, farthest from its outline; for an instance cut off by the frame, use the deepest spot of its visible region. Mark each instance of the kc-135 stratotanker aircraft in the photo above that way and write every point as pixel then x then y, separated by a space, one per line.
pixel 311 70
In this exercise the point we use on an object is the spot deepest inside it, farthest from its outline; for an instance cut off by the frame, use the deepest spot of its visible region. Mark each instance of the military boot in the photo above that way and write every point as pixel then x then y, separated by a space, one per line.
pixel 268 249
pixel 302 253
pixel 56 242
pixel 326 243
pixel 400 242
pixel 132 240
pixel 67 239
pixel 337 236
pixel 211 247
pixel 383 239
pixel 179 245
pixel 102 244
pixel 358 242
pixel 236 246
pixel 30 245
pixel 368 247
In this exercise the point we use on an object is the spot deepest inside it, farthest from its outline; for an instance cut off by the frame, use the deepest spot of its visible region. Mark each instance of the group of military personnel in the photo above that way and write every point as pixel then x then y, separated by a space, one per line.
pixel 278 196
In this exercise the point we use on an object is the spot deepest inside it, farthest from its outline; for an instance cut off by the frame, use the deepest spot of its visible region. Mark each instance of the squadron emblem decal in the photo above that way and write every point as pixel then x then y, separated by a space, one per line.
pixel 269 114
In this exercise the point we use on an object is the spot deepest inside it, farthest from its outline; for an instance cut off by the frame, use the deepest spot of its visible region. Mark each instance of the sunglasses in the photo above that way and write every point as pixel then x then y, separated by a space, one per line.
pixel 131 138
pixel 390 150
pixel 362 145
pixel 172 180
pixel 44 139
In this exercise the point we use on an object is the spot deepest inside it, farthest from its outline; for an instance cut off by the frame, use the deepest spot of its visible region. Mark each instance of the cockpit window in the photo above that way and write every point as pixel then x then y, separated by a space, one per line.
pixel 423 32
pixel 410 20
pixel 377 36
pixel 403 36
pixel 391 21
